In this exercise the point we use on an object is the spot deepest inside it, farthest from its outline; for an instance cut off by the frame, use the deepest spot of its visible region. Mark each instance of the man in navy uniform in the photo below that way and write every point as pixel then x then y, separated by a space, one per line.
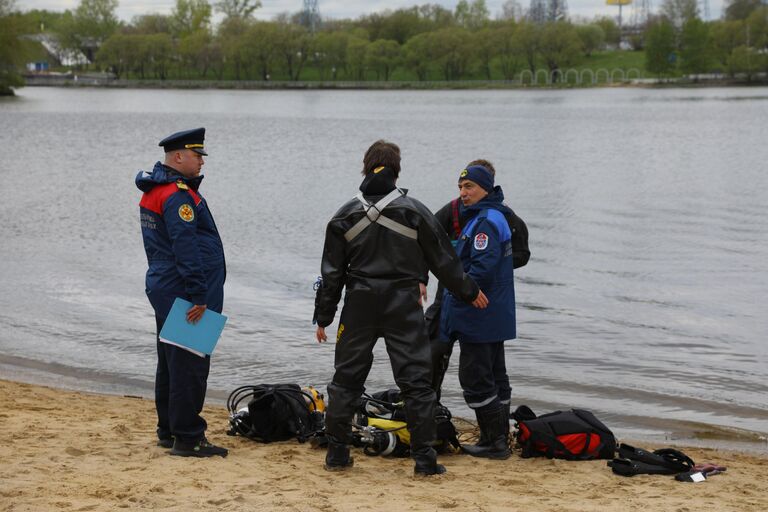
pixel 186 260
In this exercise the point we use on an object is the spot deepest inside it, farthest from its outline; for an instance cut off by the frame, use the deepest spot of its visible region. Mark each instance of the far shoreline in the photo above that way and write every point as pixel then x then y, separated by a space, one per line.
pixel 91 81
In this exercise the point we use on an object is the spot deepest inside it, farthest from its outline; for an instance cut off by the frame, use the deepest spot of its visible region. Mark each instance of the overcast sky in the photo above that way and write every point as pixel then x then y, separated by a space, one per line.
pixel 127 9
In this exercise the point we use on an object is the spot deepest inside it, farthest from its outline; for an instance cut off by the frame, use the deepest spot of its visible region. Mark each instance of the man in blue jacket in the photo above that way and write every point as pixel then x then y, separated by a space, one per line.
pixel 485 250
pixel 186 260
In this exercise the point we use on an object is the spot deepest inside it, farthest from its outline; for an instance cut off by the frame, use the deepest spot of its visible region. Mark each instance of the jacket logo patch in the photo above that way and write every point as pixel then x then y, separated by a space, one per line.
pixel 339 332
pixel 186 213
pixel 481 241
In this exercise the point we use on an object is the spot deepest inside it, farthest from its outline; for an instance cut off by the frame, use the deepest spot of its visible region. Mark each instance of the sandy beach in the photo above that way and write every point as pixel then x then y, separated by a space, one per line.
pixel 75 451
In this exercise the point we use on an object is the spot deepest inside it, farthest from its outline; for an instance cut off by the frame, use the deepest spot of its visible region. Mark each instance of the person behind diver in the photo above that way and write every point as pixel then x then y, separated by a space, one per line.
pixel 485 249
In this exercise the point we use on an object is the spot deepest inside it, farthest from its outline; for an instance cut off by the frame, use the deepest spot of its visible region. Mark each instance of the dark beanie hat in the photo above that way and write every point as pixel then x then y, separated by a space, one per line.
pixel 479 175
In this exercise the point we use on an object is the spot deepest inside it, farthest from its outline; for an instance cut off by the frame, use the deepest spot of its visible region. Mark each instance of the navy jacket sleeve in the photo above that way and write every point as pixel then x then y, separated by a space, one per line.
pixel 485 253
pixel 180 217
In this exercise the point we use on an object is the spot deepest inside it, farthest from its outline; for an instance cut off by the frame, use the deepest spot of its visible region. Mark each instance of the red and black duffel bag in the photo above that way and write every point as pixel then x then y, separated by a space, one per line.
pixel 573 435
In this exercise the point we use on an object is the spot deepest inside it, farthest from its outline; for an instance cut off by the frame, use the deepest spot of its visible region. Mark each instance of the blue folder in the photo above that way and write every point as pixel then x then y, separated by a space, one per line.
pixel 199 338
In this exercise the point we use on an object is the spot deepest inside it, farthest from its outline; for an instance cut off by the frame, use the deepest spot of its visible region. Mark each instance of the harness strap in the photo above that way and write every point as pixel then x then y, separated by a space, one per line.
pixel 373 214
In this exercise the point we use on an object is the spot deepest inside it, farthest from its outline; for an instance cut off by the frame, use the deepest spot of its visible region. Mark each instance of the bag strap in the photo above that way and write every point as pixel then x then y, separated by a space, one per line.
pixel 455 218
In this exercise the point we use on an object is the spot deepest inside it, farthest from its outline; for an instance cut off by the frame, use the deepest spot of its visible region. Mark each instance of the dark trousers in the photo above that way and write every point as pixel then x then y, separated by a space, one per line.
pixel 180 385
pixel 483 375
pixel 393 313
pixel 181 378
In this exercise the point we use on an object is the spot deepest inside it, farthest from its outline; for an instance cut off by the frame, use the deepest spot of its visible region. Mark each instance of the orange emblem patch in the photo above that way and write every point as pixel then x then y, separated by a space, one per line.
pixel 186 213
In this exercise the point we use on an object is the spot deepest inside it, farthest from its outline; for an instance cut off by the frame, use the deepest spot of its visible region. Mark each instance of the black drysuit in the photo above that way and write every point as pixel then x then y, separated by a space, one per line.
pixel 381 269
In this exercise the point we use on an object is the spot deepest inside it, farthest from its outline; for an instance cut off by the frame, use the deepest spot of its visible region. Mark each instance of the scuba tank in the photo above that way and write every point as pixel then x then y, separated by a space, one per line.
pixel 384 437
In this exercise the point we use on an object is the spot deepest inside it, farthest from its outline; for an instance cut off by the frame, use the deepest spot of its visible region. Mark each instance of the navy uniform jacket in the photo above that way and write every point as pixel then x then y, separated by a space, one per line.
pixel 184 250
pixel 485 249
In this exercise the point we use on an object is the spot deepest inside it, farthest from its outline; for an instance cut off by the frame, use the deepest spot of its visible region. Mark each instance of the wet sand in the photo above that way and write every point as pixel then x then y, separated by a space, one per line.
pixel 75 451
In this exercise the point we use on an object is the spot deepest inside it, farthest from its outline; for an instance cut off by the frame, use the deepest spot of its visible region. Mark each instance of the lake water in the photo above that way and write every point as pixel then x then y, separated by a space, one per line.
pixel 644 299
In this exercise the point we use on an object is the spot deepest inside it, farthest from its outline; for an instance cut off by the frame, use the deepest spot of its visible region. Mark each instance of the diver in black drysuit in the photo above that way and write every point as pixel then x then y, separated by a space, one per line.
pixel 382 268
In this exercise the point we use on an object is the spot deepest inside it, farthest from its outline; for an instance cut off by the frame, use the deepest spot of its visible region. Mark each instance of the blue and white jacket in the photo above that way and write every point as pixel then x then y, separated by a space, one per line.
pixel 485 249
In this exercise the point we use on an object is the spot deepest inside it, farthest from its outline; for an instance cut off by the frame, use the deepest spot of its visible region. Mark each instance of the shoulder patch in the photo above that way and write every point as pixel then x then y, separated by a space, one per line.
pixel 187 213
pixel 481 241
pixel 181 185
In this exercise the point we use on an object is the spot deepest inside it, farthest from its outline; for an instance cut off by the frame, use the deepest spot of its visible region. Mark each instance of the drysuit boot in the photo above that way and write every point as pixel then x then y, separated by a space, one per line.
pixel 494 435
pixel 337 458
pixel 426 462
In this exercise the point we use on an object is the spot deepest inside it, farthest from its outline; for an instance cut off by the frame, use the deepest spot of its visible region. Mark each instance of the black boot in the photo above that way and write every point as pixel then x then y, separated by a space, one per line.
pixel 200 448
pixel 337 458
pixel 426 462
pixel 494 435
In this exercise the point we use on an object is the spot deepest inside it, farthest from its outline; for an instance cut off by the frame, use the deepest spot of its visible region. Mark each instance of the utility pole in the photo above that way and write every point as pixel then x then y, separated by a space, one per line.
pixel 311 15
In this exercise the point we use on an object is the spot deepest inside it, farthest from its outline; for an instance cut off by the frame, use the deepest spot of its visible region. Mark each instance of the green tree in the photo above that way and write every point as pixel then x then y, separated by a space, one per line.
pixel 382 56
pixel 294 45
pixel 159 54
pixel 237 8
pixel 680 11
pixel 725 36
pixel 436 16
pixel 695 48
pixel 591 36
pixel 12 49
pixel 199 52
pixel 559 45
pixel 88 27
pixel 511 55
pixel 150 24
pixel 401 25
pixel 232 35
pixel 741 9
pixel 526 39
pixel 117 54
pixel 757 23
pixel 357 48
pixel 417 54
pixel 331 52
pixel 744 60
pixel 472 15
pixel 452 51
pixel 261 48
pixel 511 10
pixel 611 30
pixel 660 48
pixel 190 16
pixel 485 47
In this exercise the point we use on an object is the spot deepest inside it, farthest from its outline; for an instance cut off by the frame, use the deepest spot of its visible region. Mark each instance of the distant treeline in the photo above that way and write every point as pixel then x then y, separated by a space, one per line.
pixel 427 42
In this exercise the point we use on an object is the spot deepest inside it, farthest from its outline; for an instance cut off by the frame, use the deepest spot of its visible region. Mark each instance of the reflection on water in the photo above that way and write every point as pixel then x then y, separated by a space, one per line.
pixel 646 210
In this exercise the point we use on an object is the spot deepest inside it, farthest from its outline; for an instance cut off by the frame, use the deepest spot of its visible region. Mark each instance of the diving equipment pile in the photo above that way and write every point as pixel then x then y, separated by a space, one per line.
pixel 279 412
pixel 380 426
pixel 276 412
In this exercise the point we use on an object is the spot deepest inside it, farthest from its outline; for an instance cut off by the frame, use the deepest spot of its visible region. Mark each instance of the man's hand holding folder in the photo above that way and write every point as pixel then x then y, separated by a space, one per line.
pixel 192 327
pixel 195 313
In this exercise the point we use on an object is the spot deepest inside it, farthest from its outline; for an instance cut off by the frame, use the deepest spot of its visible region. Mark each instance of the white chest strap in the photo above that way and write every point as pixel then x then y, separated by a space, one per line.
pixel 373 213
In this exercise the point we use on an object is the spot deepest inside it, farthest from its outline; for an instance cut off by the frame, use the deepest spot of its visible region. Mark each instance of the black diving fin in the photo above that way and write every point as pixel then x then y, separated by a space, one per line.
pixel 674 460
pixel 636 461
